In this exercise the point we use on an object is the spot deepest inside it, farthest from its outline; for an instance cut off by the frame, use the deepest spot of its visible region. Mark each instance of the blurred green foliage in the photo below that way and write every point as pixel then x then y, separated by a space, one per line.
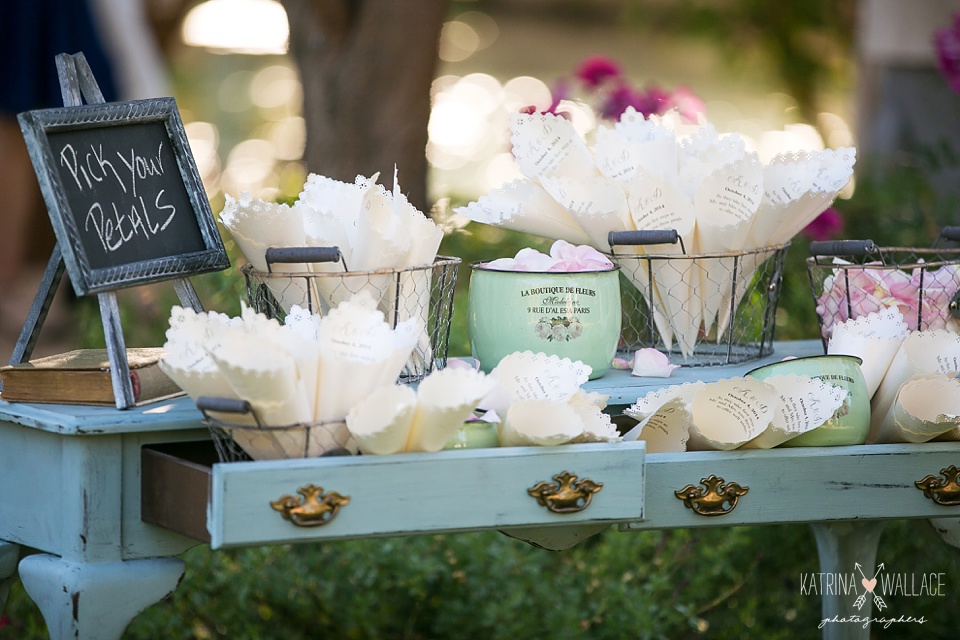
pixel 741 582
pixel 809 44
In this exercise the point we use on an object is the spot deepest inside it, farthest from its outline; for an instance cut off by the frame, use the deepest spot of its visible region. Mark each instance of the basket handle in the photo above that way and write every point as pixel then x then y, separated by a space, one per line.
pixel 286 255
pixel 225 405
pixel 649 236
pixel 842 247
pixel 948 233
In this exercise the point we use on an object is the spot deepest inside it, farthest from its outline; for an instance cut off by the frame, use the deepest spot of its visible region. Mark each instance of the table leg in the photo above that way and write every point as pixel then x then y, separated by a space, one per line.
pixel 96 601
pixel 841 546
pixel 9 554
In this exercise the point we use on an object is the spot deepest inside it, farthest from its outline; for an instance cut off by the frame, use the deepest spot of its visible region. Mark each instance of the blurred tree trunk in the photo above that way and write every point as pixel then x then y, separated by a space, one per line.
pixel 366 68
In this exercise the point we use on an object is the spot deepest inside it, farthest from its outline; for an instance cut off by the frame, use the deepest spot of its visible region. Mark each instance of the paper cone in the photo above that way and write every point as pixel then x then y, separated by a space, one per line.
pixel 545 144
pixel 524 205
pixel 597 426
pixel 534 376
pixel 650 403
pixel 921 352
pixel 381 423
pixel 636 143
pixel 728 413
pixel 804 404
pixel 539 423
pixel 599 205
pixel 926 406
pixel 445 399
pixel 874 338
pixel 667 430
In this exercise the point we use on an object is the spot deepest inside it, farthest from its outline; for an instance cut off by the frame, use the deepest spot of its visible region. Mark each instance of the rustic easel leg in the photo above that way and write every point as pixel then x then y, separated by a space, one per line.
pixel 39 308
pixel 96 601
pixel 841 546
pixel 9 554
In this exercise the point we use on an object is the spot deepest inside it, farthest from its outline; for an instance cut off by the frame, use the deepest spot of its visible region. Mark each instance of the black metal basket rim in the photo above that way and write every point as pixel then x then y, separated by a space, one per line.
pixel 221 424
pixel 771 249
pixel 879 259
pixel 439 261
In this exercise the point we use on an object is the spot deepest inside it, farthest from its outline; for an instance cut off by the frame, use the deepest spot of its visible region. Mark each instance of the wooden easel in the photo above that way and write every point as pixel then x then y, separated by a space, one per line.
pixel 76 84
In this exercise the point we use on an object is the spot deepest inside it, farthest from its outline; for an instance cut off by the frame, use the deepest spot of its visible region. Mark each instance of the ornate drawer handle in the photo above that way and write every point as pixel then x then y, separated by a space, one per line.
pixel 567 494
pixel 946 490
pixel 711 502
pixel 314 509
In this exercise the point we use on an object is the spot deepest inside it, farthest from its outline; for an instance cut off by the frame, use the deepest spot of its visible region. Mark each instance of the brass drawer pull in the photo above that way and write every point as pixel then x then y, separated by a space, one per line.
pixel 567 494
pixel 314 509
pixel 946 490
pixel 710 502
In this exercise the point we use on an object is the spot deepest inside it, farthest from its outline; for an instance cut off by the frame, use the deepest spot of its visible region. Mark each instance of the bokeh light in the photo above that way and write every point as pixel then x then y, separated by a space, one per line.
pixel 237 26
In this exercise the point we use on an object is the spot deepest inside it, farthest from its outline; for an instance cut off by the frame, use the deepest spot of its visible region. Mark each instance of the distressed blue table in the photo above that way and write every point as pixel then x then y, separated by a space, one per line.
pixel 96 503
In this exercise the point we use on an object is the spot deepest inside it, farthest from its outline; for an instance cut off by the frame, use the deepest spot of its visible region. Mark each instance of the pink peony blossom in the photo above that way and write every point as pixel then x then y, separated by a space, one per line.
pixel 828 224
pixel 922 296
pixel 687 103
pixel 596 69
pixel 946 42
pixel 564 258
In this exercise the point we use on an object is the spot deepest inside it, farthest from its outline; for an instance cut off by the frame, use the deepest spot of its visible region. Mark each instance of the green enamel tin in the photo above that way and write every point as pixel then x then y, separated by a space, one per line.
pixel 851 422
pixel 571 315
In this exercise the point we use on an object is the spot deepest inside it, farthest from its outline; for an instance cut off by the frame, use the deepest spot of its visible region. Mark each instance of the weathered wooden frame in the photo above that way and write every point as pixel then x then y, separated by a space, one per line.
pixel 36 125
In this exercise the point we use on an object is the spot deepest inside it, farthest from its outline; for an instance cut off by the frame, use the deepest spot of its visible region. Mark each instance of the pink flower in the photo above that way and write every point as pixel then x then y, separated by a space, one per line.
pixel 828 224
pixel 578 258
pixel 946 42
pixel 687 103
pixel 564 258
pixel 922 296
pixel 596 69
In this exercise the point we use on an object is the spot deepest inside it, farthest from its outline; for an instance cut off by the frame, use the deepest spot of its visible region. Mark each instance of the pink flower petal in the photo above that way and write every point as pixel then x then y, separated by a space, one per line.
pixel 652 363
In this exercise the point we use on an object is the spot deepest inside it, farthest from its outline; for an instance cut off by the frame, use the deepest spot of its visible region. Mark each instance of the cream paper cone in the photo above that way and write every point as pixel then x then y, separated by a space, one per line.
pixel 805 186
pixel 598 204
pixel 525 375
pixel 874 338
pixel 597 426
pixel 635 143
pixel 358 352
pixel 257 225
pixel 523 205
pixel 926 406
pixel 655 204
pixel 667 430
pixel 650 403
pixel 545 144
pixel 675 282
pixel 381 423
pixel 445 399
pixel 539 423
pixel 269 383
pixel 728 413
pixel 797 189
pixel 804 404
pixel 921 352
pixel 635 270
pixel 337 210
pixel 725 202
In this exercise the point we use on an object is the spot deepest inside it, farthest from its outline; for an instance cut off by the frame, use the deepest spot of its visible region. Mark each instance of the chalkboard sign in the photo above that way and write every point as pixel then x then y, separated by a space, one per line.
pixel 123 193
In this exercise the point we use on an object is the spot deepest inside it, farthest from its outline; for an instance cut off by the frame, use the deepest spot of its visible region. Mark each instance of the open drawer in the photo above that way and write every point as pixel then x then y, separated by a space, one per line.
pixel 268 502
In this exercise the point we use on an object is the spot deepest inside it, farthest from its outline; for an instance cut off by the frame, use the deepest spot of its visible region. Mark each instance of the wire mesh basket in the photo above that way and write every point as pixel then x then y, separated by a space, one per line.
pixel 424 292
pixel 240 435
pixel 702 310
pixel 853 278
